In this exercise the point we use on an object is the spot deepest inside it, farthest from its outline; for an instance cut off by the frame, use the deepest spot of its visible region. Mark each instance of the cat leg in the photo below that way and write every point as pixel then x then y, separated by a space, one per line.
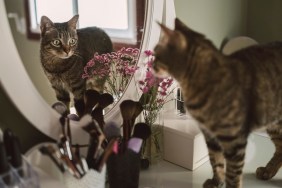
pixel 275 163
pixel 217 162
pixel 234 152
pixel 62 95
pixel 79 103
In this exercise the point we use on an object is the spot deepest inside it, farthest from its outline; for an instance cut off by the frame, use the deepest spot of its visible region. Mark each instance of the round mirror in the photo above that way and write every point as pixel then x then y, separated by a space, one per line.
pixel 17 84
pixel 125 26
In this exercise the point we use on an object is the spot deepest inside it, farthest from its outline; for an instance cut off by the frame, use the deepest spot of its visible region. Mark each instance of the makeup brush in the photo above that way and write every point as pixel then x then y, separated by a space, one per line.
pixel 12 147
pixel 4 165
pixel 49 151
pixel 63 121
pixel 91 98
pixel 111 130
pixel 97 137
pixel 105 100
pixel 142 131
pixel 127 109
pixel 68 158
pixel 111 148
pixel 61 108
pixel 86 123
pixel 138 109
pixel 79 106
pixel 93 145
pixel 97 114
pixel 73 117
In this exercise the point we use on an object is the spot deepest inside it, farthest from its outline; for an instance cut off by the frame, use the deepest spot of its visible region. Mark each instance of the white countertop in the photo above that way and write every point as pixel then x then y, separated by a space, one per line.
pixel 168 175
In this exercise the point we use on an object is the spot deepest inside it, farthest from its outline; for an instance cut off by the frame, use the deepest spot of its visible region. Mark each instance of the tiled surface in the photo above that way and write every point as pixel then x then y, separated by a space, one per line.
pixel 167 175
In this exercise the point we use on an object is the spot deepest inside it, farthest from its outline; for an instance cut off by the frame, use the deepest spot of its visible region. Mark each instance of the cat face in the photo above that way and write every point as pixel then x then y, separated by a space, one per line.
pixel 59 39
pixel 169 52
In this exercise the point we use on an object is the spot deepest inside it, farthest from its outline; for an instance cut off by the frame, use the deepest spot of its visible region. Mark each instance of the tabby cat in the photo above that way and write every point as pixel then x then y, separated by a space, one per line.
pixel 228 95
pixel 64 52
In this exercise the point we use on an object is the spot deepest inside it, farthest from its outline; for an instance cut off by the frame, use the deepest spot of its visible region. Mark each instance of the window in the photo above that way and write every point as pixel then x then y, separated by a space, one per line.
pixel 123 20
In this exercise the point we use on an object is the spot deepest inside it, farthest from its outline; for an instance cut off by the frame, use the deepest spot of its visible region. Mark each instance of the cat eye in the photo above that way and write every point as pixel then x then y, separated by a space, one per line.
pixel 56 43
pixel 72 41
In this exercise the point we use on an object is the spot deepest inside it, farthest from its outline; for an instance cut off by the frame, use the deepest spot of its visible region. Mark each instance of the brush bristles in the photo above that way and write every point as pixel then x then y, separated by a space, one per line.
pixel 60 108
pixel 142 130
pixel 127 109
pixel 105 100
pixel 111 130
pixel 91 98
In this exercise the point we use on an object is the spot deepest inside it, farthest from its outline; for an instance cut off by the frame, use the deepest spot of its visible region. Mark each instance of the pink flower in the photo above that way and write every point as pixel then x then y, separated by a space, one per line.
pixel 141 82
pixel 145 90
pixel 148 52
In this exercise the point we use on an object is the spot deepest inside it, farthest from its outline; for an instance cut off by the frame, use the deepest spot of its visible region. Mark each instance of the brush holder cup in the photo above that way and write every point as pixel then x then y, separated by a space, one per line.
pixel 123 170
pixel 23 177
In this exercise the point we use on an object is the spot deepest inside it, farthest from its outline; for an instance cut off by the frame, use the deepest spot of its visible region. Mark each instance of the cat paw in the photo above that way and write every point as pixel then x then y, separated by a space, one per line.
pixel 211 183
pixel 264 174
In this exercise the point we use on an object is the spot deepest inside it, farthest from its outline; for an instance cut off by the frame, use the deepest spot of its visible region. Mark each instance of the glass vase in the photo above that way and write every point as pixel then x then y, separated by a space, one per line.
pixel 152 148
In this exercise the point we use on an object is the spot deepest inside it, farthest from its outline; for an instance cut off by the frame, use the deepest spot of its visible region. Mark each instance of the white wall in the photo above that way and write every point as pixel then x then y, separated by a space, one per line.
pixel 264 20
pixel 217 19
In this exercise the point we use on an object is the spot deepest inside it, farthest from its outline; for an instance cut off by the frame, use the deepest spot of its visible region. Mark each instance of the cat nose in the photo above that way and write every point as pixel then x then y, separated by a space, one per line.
pixel 67 50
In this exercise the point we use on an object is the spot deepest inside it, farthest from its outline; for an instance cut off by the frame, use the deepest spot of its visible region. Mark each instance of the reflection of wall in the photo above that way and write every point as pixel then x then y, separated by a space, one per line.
pixel 29 53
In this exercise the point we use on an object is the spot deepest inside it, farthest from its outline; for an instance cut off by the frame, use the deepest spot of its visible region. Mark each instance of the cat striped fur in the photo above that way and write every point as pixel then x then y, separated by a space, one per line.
pixel 228 95
pixel 64 51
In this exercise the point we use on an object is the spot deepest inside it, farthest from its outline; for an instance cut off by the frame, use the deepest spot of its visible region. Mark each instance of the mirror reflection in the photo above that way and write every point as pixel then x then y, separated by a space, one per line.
pixel 123 26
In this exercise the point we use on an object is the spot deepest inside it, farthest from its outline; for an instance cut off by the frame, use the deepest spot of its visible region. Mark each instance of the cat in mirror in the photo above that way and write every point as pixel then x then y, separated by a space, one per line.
pixel 64 51
pixel 228 95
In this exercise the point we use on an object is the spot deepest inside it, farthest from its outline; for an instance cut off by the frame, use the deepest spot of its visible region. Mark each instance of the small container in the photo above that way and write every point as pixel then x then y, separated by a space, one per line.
pixel 27 175
pixel 184 143
pixel 23 177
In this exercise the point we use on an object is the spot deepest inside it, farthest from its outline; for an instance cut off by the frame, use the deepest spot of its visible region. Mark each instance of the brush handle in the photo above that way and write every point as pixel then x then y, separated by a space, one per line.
pixel 45 151
pixel 93 145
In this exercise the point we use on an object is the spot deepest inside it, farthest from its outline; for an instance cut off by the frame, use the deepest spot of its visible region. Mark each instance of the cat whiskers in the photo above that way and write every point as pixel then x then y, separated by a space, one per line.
pixel 77 55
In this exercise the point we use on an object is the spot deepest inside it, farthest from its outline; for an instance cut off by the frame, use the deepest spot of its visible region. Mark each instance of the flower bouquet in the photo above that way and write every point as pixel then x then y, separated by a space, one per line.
pixel 116 67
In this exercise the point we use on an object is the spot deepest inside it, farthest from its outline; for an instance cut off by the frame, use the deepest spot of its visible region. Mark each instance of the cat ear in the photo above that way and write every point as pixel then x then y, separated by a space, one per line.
pixel 45 24
pixel 181 27
pixel 175 38
pixel 72 22
pixel 179 24
pixel 165 30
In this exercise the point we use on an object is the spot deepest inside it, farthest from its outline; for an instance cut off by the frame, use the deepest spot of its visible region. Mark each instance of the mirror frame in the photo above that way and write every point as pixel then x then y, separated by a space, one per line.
pixel 20 89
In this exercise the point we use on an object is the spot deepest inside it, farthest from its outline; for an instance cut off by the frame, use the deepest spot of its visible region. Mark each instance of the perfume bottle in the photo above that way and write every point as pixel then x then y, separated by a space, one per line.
pixel 179 103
